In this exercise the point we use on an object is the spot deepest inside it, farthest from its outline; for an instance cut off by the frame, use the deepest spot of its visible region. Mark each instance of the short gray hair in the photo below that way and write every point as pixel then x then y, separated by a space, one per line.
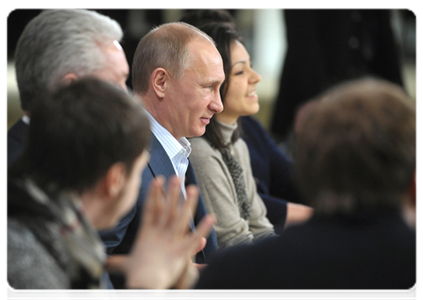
pixel 57 42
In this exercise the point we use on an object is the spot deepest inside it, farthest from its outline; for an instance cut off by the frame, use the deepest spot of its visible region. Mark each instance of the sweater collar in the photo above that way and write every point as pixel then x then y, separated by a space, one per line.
pixel 227 131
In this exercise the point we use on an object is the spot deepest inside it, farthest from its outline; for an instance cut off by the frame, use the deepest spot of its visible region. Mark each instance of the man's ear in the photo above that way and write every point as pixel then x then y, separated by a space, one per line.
pixel 159 81
pixel 115 180
pixel 69 78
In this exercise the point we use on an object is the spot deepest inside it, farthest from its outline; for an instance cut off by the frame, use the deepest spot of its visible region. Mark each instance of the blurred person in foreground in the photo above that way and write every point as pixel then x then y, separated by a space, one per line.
pixel 356 157
pixel 80 172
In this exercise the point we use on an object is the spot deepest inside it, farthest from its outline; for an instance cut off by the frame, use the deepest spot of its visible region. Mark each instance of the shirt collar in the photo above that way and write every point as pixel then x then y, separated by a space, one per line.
pixel 171 145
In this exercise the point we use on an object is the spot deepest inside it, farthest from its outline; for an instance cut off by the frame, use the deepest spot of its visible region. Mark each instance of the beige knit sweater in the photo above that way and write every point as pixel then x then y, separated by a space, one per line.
pixel 219 195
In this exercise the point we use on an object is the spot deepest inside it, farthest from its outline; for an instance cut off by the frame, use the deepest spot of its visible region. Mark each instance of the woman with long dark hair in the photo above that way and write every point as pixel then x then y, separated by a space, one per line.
pixel 220 157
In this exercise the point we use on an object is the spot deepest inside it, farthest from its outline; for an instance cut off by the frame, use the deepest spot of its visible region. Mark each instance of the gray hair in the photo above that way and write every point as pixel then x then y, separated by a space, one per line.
pixel 57 42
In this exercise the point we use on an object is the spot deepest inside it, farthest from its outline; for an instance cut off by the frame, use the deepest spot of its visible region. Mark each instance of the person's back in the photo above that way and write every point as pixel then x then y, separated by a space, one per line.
pixel 377 251
pixel 355 165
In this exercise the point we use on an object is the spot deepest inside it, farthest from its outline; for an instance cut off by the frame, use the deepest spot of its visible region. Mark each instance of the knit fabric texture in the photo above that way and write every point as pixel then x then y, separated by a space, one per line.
pixel 236 172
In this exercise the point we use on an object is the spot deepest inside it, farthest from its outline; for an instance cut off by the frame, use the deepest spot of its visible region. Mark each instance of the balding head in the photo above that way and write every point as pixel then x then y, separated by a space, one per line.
pixel 164 47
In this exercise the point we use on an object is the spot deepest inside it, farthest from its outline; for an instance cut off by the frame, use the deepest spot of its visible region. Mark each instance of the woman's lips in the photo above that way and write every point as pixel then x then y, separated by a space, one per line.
pixel 252 94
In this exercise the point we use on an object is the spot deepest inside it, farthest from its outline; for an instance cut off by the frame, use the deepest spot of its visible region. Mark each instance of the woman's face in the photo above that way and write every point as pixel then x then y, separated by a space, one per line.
pixel 241 98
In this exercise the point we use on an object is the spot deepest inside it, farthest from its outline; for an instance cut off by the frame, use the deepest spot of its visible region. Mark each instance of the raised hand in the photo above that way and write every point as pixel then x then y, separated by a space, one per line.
pixel 161 254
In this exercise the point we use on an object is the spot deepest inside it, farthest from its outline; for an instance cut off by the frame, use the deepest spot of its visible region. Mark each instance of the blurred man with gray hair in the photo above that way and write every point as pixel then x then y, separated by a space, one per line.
pixel 60 46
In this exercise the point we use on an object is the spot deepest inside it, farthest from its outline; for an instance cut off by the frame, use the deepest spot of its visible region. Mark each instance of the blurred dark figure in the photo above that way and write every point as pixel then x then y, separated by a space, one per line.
pixel 326 47
pixel 356 157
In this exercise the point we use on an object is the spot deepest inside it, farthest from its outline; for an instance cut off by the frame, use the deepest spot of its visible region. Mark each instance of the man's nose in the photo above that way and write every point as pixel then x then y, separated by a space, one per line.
pixel 216 104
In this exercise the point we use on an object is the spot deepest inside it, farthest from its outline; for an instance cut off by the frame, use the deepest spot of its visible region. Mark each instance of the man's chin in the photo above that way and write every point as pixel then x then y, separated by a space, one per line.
pixel 199 132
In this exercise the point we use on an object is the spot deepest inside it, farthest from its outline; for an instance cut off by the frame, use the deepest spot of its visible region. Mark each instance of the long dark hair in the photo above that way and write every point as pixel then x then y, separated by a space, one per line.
pixel 223 35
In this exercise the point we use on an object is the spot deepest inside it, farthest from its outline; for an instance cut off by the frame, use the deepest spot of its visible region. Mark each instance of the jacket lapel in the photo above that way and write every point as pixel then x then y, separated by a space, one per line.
pixel 159 162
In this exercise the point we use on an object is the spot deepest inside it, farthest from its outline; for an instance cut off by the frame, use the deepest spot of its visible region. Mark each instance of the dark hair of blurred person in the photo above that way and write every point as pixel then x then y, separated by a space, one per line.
pixel 84 137
pixel 86 148
pixel 80 173
pixel 356 149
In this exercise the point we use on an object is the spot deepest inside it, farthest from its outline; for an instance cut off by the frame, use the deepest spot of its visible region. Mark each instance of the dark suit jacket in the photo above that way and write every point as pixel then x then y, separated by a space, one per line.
pixel 120 239
pixel 373 250
pixel 15 140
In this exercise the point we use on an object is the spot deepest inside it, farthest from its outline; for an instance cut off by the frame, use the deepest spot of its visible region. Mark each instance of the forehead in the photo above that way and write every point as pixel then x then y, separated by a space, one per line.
pixel 114 53
pixel 115 59
pixel 238 51
pixel 205 59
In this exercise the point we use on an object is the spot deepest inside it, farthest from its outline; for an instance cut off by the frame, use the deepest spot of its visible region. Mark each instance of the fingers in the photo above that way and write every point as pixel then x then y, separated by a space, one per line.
pixel 202 230
pixel 163 211
pixel 154 205
pixel 173 196
pixel 182 222
pixel 192 197
pixel 152 212
pixel 166 216
pixel 188 278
